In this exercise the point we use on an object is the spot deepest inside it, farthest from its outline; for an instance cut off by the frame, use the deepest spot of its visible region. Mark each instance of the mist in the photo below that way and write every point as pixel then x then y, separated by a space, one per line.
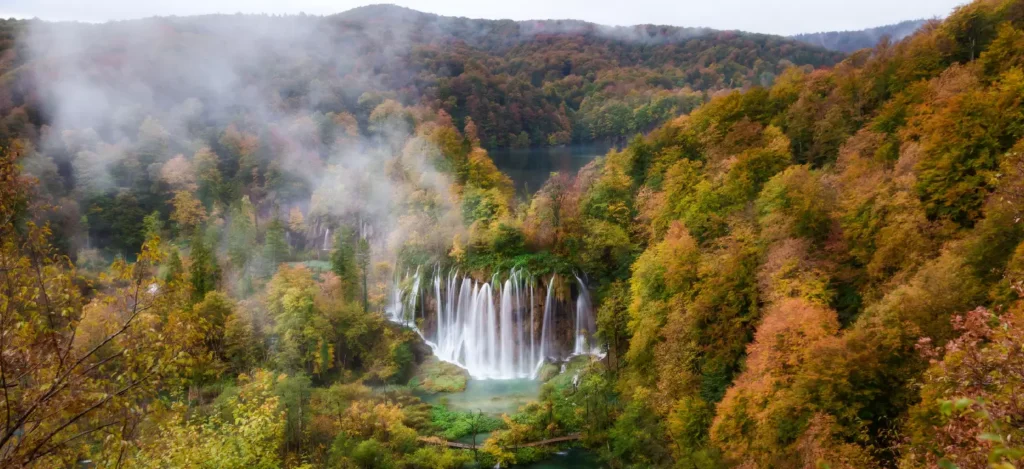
pixel 130 97
pixel 784 18
pixel 290 99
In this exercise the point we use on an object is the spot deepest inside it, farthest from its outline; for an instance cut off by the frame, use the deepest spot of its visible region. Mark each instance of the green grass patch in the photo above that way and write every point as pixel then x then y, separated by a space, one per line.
pixel 454 424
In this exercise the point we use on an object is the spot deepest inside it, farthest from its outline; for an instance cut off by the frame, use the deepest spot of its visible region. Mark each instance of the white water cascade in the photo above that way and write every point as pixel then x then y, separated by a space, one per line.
pixel 493 329
pixel 547 327
pixel 584 325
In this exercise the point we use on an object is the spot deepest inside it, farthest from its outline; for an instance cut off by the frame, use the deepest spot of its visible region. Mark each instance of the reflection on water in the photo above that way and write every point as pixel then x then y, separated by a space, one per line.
pixel 480 438
pixel 529 168
pixel 492 396
pixel 573 458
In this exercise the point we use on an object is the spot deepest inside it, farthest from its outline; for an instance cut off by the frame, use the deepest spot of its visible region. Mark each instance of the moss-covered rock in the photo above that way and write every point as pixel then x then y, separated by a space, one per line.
pixel 548 371
pixel 434 376
pixel 568 368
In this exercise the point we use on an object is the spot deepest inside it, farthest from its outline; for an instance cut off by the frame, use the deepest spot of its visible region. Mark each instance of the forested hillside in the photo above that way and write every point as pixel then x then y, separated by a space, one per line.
pixel 522 83
pixel 205 252
pixel 823 273
pixel 852 41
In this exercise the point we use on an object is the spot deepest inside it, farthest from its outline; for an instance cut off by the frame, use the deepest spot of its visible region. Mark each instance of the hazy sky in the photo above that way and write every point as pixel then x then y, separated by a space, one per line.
pixel 766 16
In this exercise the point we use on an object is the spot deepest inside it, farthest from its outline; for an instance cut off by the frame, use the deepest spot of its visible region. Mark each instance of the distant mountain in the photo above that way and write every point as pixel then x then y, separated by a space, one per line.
pixel 851 41
pixel 498 34
pixel 522 83
pixel 495 34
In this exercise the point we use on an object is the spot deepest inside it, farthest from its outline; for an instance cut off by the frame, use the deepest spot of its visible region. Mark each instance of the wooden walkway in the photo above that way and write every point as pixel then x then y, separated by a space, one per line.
pixel 433 440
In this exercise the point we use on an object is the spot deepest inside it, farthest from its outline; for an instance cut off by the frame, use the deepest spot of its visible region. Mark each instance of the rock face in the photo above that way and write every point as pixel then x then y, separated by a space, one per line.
pixel 435 376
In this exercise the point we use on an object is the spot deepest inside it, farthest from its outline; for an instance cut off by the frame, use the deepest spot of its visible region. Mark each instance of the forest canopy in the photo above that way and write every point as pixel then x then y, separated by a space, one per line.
pixel 797 258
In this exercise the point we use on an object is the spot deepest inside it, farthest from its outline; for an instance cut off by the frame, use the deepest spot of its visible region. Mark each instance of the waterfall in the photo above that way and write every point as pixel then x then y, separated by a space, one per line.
pixel 520 321
pixel 546 328
pixel 533 337
pixel 327 234
pixel 584 326
pixel 506 346
pixel 414 298
pixel 403 303
pixel 489 328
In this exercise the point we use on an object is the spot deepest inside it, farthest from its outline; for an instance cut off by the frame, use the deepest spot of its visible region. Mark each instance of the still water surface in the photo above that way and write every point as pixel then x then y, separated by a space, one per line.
pixel 491 396
pixel 574 458
pixel 529 168
pixel 496 397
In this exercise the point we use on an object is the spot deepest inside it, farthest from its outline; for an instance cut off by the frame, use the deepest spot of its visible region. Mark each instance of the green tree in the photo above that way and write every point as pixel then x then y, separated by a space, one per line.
pixel 203 271
pixel 293 393
pixel 306 337
pixel 344 262
pixel 241 235
pixel 275 247
pixel 152 225
pixel 363 260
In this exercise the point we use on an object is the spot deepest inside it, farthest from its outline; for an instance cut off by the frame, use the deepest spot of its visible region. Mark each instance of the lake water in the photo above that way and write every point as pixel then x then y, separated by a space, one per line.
pixel 573 458
pixel 529 168
pixel 491 396
pixel 496 397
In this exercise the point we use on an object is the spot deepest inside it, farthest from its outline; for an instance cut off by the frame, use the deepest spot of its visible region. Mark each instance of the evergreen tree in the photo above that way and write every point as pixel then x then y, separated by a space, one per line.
pixel 152 225
pixel 174 266
pixel 241 233
pixel 275 247
pixel 343 260
pixel 363 258
pixel 204 273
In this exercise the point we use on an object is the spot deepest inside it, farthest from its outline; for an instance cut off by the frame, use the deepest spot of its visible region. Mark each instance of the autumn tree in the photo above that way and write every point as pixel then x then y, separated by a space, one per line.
pixel 306 336
pixel 969 415
pixel 179 174
pixel 81 372
pixel 252 437
pixel 188 212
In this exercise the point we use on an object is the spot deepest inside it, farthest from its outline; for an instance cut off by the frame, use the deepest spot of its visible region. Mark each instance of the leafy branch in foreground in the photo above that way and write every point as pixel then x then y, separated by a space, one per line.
pixel 68 371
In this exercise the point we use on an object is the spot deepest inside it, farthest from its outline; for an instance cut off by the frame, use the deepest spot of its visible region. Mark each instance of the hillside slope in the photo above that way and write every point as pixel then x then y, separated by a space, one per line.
pixel 823 273
pixel 522 83
pixel 852 41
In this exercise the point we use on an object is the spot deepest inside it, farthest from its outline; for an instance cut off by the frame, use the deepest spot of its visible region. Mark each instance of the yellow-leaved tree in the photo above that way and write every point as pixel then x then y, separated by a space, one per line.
pixel 250 439
pixel 73 378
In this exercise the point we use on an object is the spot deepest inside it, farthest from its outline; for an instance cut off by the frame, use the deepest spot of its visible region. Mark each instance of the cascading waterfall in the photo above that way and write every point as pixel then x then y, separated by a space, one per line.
pixel 404 301
pixel 533 337
pixel 546 329
pixel 585 325
pixel 490 328
pixel 506 346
